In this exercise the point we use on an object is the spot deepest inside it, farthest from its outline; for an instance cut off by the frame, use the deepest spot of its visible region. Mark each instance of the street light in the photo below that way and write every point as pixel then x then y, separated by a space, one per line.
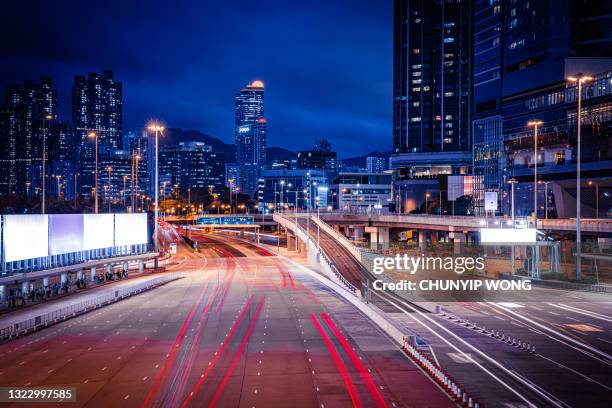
pixel 546 183
pixel 512 182
pixel 427 195
pixel 59 190
pixel 95 135
pixel 282 183
pixel 535 124
pixel 579 79
pixel 124 186
pixel 596 198
pixel 108 191
pixel 157 128
pixel 44 158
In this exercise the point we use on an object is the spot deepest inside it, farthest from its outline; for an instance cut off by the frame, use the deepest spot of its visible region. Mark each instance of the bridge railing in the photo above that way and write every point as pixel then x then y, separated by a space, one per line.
pixel 294 225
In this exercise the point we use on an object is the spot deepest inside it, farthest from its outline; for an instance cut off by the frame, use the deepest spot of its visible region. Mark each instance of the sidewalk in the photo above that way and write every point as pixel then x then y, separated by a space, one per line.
pixel 19 315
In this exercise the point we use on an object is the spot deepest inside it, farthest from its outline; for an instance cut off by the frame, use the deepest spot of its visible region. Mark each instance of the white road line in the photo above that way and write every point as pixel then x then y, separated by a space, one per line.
pixel 581 311
pixel 555 332
pixel 469 358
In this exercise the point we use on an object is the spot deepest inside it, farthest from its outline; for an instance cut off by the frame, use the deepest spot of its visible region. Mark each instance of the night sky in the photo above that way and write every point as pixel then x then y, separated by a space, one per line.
pixel 327 65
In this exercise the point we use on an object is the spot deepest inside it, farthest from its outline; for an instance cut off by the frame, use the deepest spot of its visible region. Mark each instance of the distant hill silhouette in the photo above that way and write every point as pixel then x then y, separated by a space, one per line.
pixel 361 160
pixel 174 136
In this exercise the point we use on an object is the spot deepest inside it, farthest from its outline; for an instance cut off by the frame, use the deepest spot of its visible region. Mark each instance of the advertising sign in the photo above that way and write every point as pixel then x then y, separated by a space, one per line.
pixel 98 231
pixel 131 229
pixel 490 201
pixel 25 237
pixel 65 233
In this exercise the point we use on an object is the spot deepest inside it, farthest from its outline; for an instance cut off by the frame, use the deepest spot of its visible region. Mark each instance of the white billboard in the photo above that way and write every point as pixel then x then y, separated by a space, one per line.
pixel 508 236
pixel 131 229
pixel 65 233
pixel 98 231
pixel 490 201
pixel 25 237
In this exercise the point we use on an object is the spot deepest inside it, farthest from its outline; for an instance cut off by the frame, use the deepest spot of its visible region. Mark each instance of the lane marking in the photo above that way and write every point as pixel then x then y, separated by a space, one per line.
pixel 365 375
pixel 235 361
pixel 350 387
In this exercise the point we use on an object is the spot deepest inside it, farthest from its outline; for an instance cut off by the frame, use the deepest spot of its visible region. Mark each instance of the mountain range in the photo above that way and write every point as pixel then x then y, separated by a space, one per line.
pixel 174 136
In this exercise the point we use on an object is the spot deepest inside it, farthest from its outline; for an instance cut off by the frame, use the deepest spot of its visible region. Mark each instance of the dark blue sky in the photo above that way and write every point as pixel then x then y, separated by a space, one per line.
pixel 327 65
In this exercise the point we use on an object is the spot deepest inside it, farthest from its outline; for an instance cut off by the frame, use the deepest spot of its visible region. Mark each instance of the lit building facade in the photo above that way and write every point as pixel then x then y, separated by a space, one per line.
pixel 250 136
pixel 28 112
pixel 361 191
pixel 191 165
pixel 97 105
pixel 299 186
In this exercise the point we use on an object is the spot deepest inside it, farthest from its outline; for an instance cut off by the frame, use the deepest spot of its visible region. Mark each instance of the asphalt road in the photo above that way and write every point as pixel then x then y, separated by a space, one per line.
pixel 245 328
pixel 571 333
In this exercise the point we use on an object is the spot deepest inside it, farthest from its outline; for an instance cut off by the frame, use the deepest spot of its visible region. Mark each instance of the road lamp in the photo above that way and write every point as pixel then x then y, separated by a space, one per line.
pixel 108 191
pixel 44 158
pixel 596 198
pixel 282 183
pixel 427 195
pixel 124 187
pixel 579 79
pixel 318 200
pixel 75 186
pixel 535 124
pixel 95 136
pixel 546 183
pixel 157 128
pixel 59 189
pixel 512 182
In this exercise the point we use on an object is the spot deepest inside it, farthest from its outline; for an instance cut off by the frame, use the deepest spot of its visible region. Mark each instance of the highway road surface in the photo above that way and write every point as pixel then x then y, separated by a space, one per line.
pixel 488 346
pixel 244 328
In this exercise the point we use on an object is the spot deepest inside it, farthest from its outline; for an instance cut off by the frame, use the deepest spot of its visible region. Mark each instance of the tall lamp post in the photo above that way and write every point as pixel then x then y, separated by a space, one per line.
pixel 44 159
pixel 596 198
pixel 546 183
pixel 109 191
pixel 512 182
pixel 95 136
pixel 535 124
pixel 157 128
pixel 282 183
pixel 579 79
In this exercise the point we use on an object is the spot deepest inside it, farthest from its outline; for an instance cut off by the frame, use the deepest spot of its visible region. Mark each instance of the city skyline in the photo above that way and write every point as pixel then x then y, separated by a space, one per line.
pixel 312 92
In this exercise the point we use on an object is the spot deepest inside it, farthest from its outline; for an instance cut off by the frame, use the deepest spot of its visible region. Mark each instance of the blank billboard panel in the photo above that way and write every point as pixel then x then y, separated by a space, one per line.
pixel 25 237
pixel 98 231
pixel 65 233
pixel 131 229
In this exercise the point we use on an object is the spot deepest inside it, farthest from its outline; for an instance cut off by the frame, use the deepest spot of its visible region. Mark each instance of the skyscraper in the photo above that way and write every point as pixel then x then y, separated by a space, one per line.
pixel 523 52
pixel 97 105
pixel 431 81
pixel 250 136
pixel 26 117
pixel 432 51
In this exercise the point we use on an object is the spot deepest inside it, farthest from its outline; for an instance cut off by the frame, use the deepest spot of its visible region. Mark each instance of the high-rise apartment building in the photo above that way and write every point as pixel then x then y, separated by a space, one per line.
pixel 376 164
pixel 28 112
pixel 523 52
pixel 191 165
pixel 250 136
pixel 431 81
pixel 432 52
pixel 97 105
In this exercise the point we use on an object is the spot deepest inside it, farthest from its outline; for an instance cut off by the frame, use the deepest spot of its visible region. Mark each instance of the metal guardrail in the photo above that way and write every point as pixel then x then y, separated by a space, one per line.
pixel 15 330
pixel 285 222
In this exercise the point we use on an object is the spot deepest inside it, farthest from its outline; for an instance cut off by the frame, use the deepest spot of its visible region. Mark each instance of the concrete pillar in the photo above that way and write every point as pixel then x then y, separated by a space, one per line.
pixel 80 274
pixel 357 232
pixel 373 236
pixel 2 295
pixel 46 281
pixel 422 239
pixel 93 273
pixel 140 267
pixel 383 237
pixel 64 277
pixel 458 239
pixel 25 287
